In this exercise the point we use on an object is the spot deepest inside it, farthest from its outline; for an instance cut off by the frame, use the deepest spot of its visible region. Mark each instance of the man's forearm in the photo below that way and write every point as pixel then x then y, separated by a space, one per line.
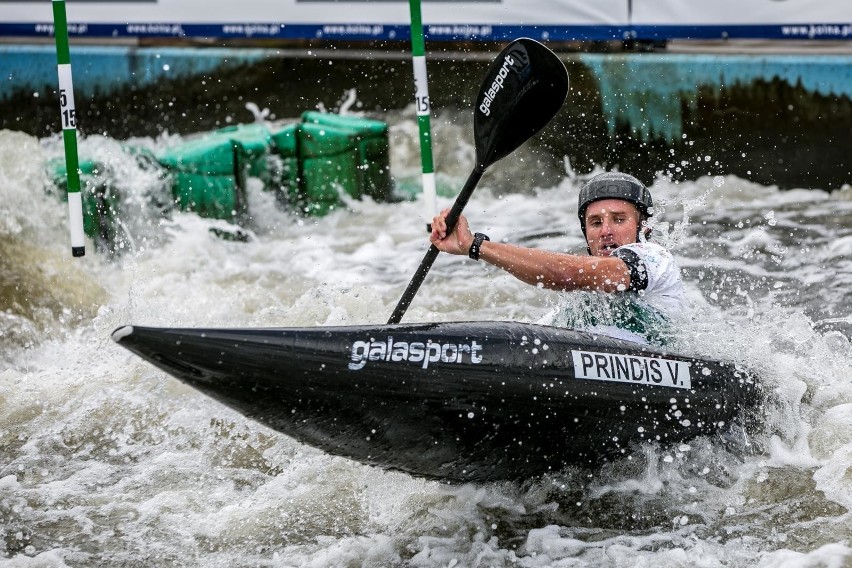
pixel 557 271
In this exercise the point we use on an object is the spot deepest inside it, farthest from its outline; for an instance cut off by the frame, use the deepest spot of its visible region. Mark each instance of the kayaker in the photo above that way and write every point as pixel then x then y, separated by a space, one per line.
pixel 641 278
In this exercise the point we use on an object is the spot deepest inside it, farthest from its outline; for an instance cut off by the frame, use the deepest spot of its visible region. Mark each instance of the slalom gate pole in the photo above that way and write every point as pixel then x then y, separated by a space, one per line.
pixel 421 101
pixel 69 128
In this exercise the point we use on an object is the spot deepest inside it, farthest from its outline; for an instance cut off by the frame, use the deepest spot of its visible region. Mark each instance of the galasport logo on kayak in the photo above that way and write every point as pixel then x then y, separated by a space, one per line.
pixel 496 86
pixel 425 353
pixel 631 369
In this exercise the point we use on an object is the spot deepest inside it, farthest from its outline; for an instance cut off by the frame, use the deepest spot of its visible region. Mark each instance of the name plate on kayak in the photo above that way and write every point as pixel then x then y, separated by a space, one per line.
pixel 631 369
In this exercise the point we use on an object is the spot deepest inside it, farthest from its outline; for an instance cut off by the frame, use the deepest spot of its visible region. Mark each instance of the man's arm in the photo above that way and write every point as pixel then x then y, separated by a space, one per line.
pixel 558 271
pixel 553 270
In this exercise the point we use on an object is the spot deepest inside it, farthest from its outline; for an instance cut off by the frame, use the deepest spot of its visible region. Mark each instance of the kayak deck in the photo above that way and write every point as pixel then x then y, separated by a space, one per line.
pixel 461 401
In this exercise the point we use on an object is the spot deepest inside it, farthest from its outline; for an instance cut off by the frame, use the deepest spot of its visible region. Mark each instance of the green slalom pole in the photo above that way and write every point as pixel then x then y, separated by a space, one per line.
pixel 421 101
pixel 69 128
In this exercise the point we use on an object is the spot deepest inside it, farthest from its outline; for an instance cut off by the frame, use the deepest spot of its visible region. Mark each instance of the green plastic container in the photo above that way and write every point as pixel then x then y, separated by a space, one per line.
pixel 286 175
pixel 370 139
pixel 316 164
pixel 209 176
pixel 329 161
pixel 256 140
pixel 311 165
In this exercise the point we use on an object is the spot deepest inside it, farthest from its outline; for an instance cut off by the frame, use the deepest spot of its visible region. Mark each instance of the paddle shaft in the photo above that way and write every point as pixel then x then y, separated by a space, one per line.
pixel 432 253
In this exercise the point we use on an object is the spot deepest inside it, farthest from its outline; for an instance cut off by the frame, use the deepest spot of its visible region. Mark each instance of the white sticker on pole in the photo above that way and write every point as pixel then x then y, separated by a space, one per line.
pixel 421 85
pixel 75 213
pixel 66 97
pixel 430 196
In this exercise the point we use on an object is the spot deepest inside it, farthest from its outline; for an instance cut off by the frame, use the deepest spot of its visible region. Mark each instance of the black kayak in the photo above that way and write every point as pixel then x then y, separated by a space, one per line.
pixel 465 401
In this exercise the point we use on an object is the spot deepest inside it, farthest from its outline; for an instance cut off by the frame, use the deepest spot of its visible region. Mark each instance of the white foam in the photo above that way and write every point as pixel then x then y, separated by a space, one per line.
pixel 111 461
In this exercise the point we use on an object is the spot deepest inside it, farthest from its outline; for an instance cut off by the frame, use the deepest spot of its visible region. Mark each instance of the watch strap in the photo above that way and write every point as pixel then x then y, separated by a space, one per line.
pixel 478 238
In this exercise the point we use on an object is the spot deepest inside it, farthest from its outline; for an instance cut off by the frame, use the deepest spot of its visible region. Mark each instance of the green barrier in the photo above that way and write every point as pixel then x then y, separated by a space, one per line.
pixel 327 157
pixel 285 145
pixel 370 141
pixel 332 165
pixel 100 200
pixel 256 140
pixel 209 176
pixel 329 163
pixel 310 166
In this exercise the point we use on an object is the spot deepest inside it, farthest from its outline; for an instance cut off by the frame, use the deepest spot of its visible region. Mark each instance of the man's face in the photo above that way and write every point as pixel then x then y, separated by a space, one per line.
pixel 611 223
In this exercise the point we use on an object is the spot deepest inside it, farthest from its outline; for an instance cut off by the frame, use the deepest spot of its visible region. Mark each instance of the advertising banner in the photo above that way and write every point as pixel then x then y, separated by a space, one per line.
pixel 485 20
pixel 768 19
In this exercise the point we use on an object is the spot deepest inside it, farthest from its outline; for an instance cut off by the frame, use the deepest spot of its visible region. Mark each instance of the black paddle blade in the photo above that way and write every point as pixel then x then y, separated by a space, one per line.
pixel 523 89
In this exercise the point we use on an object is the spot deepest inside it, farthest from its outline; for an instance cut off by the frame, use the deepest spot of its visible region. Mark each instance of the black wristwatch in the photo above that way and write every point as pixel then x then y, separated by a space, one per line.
pixel 477 242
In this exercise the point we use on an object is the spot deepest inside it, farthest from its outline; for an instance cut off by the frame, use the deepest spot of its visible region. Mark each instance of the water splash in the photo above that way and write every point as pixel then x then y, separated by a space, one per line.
pixel 109 461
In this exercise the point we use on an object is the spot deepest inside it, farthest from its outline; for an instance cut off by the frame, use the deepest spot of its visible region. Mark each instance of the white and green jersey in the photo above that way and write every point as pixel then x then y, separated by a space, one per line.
pixel 643 312
pixel 655 278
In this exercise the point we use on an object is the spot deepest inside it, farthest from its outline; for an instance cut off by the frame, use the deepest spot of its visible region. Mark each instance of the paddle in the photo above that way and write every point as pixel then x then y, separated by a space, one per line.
pixel 522 90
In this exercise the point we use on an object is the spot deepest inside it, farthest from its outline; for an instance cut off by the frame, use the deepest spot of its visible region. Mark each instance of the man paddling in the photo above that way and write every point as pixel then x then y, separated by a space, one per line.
pixel 643 276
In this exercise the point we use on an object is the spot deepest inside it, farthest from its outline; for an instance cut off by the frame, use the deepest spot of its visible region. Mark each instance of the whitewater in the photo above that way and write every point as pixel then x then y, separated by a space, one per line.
pixel 107 461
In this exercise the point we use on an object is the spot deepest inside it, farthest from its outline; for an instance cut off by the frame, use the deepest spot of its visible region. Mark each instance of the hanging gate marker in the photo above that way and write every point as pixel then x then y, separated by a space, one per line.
pixel 421 102
pixel 69 128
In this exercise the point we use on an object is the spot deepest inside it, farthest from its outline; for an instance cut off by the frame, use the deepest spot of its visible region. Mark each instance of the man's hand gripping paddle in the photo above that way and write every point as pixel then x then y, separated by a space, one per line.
pixel 523 89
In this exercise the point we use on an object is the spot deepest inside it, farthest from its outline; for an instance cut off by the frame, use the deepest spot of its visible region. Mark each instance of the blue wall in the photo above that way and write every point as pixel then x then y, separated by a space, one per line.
pixel 101 69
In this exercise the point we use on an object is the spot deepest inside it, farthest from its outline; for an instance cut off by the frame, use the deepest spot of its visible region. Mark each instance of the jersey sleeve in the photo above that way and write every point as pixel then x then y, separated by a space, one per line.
pixel 636 266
